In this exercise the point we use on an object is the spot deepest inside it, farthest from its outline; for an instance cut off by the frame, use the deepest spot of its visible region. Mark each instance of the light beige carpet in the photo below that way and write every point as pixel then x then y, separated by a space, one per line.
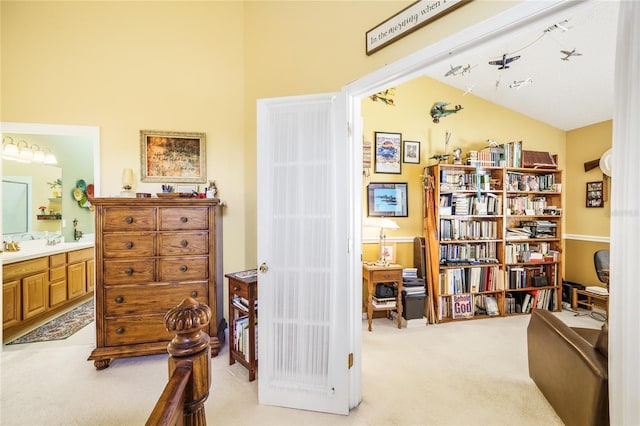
pixel 471 373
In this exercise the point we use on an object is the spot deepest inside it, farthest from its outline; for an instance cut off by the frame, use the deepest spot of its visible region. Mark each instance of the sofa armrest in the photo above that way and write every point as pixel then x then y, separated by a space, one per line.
pixel 570 372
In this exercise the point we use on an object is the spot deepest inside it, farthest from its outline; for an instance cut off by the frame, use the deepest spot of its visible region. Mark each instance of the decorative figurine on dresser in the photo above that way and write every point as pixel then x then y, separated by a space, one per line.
pixel 150 254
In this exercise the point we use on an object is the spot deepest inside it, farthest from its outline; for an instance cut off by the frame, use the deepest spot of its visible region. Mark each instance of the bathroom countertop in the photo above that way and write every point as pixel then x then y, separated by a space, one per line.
pixel 38 248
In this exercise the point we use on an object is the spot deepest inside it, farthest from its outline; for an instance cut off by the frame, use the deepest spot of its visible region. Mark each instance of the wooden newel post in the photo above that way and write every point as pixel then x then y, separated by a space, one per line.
pixel 190 349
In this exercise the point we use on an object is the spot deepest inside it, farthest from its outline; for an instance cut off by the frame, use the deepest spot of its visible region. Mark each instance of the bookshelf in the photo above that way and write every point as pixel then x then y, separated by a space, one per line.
pixel 497 239
pixel 243 313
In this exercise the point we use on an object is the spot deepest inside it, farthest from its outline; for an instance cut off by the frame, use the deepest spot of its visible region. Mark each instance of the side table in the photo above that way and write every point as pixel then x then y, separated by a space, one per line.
pixel 588 303
pixel 382 274
pixel 243 297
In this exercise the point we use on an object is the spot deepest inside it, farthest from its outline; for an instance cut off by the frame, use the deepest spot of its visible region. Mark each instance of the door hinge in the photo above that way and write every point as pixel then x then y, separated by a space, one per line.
pixel 351 360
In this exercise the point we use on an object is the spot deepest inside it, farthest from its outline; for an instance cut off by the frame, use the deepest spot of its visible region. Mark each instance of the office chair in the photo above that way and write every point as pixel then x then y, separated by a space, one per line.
pixel 601 262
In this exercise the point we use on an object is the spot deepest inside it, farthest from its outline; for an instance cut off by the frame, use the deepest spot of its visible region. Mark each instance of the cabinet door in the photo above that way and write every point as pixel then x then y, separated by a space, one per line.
pixel 35 294
pixel 76 280
pixel 91 276
pixel 10 303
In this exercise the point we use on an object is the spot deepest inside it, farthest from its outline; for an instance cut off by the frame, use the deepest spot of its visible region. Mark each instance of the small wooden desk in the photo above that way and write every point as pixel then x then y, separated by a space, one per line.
pixel 247 289
pixel 589 303
pixel 382 274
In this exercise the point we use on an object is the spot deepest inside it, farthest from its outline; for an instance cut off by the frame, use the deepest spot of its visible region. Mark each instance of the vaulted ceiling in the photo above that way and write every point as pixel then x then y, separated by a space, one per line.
pixel 566 94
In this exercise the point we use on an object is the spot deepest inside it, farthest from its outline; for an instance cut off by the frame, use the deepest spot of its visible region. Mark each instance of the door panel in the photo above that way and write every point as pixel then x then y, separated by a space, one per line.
pixel 302 242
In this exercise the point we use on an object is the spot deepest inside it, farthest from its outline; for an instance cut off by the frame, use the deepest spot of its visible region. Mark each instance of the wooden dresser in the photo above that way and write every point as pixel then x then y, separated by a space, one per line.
pixel 150 254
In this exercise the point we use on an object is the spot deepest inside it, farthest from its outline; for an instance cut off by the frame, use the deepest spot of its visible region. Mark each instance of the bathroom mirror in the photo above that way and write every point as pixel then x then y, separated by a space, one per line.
pixel 77 149
pixel 29 203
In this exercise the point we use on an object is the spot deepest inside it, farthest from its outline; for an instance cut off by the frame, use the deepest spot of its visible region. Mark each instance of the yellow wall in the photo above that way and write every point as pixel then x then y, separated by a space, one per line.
pixel 470 128
pixel 588 227
pixel 192 66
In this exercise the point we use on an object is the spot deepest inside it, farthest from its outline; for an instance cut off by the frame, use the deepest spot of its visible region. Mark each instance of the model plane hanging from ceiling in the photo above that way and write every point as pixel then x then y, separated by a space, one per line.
pixel 385 96
pixel 569 53
pixel 454 71
pixel 439 111
pixel 504 62
pixel 518 84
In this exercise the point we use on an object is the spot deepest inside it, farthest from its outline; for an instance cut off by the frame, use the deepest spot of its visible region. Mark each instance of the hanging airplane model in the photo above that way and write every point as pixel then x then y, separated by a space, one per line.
pixel 569 53
pixel 439 111
pixel 520 83
pixel 504 62
pixel 453 71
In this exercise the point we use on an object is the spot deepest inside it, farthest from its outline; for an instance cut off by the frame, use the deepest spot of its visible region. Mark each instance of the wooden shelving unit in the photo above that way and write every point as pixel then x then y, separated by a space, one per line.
pixel 243 314
pixel 497 240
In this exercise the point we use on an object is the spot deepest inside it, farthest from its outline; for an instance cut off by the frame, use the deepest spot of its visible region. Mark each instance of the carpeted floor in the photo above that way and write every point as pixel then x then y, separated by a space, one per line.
pixel 61 327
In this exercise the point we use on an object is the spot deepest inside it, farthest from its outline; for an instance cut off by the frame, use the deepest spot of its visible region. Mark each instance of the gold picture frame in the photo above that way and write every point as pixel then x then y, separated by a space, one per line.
pixel 172 157
pixel 389 252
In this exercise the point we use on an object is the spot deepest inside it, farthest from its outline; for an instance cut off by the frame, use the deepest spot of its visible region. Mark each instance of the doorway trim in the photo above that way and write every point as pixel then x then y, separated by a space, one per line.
pixel 523 17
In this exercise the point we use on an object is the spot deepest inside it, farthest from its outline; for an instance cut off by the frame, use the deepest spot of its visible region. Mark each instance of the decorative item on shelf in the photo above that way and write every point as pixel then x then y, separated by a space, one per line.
pixel 212 190
pixel 456 156
pixel 166 189
pixel 56 186
pixel 43 209
pixel 383 249
pixel 127 184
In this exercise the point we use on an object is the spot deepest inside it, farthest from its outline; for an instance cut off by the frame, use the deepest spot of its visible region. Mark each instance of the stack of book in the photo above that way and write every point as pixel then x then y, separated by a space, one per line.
pixel 241 337
pixel 384 302
pixel 242 303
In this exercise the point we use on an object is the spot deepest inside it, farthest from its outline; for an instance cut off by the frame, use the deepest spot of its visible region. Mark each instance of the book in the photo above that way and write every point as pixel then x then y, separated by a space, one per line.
pixel 250 273
pixel 491 305
pixel 462 306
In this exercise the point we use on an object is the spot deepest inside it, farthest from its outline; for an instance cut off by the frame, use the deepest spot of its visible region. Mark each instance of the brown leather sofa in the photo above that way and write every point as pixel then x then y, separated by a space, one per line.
pixel 570 366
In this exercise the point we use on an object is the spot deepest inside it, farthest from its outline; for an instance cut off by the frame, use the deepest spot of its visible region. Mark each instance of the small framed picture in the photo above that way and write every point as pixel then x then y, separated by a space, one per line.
pixel 388 152
pixel 594 194
pixel 411 151
pixel 389 252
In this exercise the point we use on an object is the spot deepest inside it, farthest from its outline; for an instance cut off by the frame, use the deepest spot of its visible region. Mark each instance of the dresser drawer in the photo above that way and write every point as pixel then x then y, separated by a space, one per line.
pixel 136 330
pixel 58 273
pixel 83 255
pixel 184 243
pixel 21 269
pixel 183 269
pixel 136 300
pixel 129 271
pixel 129 219
pixel 129 244
pixel 57 260
pixel 179 218
pixel 380 276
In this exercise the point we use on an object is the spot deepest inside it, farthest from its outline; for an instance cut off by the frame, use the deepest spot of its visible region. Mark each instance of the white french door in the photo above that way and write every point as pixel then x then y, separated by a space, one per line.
pixel 303 217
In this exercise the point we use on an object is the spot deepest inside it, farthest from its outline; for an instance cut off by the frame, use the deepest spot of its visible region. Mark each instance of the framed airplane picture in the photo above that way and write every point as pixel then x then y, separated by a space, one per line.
pixel 388 152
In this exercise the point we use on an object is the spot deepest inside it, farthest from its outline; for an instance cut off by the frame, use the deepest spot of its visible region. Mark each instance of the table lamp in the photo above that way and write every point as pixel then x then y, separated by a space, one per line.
pixel 127 183
pixel 382 223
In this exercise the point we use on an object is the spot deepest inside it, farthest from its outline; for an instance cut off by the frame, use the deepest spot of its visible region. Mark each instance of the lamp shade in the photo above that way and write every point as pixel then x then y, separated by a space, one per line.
pixel 380 222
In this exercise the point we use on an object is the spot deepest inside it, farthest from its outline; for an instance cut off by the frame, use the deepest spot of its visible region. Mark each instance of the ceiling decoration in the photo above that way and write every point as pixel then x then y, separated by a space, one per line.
pixel 567 64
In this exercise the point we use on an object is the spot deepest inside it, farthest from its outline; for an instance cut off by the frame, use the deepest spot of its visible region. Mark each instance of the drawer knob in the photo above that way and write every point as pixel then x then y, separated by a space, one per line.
pixel 184 243
pixel 236 288
pixel 194 294
pixel 183 268
pixel 119 330
pixel 387 275
pixel 119 299
pixel 184 219
pixel 129 220
pixel 128 244
pixel 128 271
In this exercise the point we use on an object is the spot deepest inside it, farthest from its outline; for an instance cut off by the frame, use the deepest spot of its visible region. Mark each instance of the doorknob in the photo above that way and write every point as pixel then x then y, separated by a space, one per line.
pixel 264 268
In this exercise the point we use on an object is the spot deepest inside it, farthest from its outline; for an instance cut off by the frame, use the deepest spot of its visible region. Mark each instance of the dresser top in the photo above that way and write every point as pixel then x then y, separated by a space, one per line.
pixel 177 201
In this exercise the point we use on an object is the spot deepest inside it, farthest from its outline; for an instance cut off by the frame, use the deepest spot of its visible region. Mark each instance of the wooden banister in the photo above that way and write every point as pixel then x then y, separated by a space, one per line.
pixel 182 401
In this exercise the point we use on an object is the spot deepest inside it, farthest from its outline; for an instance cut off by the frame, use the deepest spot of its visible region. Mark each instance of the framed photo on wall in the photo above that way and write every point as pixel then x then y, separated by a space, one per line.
pixel 389 252
pixel 178 157
pixel 387 199
pixel 388 152
pixel 594 194
pixel 411 151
